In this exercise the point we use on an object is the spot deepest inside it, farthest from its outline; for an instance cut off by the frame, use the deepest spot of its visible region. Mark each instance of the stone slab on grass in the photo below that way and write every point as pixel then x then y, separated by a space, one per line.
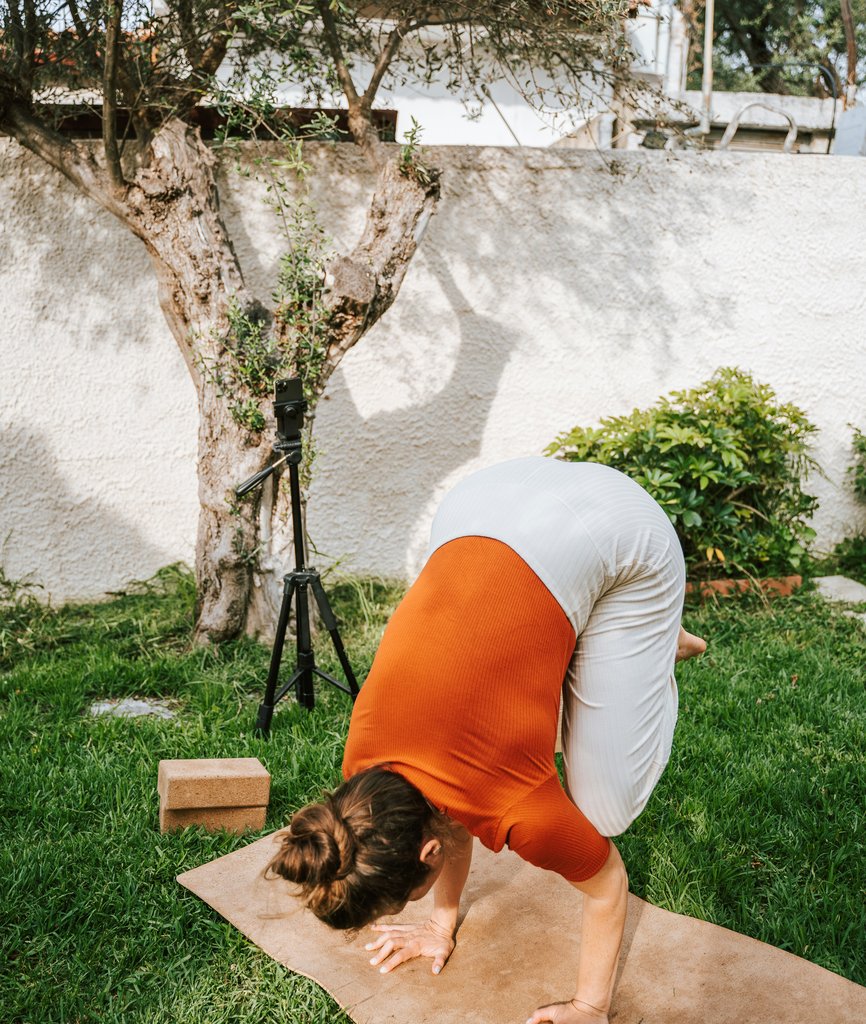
pixel 213 782
pixel 517 948
pixel 132 707
pixel 840 588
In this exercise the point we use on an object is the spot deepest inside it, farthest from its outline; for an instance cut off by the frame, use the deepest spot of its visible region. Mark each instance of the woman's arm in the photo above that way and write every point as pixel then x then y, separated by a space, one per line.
pixel 605 898
pixel 450 884
pixel 435 937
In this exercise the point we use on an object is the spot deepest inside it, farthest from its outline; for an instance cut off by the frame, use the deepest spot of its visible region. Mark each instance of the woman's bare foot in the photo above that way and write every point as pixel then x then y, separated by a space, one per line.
pixel 688 645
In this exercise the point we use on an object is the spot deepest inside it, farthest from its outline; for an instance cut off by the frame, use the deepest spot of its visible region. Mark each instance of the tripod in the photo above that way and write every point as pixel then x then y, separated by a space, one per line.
pixel 288 407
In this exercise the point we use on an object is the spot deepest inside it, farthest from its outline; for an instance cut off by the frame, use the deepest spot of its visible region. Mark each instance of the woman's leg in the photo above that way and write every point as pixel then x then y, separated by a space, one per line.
pixel 620 696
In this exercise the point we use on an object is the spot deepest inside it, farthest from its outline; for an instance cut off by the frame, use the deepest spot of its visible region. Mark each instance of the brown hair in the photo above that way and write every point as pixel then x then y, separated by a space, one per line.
pixel 355 855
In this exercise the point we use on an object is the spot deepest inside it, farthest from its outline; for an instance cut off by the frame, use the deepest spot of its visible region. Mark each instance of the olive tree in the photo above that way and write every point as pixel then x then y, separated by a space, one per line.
pixel 150 70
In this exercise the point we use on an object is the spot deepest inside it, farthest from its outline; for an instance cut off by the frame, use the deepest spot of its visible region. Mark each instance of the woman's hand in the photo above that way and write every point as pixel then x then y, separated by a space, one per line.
pixel 572 1012
pixel 401 942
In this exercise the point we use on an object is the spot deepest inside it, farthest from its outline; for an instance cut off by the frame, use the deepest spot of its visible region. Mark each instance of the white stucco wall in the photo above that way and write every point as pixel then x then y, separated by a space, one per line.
pixel 552 288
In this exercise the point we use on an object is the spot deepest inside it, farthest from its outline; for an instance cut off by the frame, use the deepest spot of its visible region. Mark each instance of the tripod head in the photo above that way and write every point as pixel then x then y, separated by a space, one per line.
pixel 289 408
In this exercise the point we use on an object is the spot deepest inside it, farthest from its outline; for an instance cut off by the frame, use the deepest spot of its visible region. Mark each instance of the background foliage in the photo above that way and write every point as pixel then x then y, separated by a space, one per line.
pixel 751 34
pixel 726 461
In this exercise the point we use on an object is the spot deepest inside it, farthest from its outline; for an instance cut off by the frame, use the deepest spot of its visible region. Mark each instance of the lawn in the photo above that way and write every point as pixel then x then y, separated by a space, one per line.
pixel 758 823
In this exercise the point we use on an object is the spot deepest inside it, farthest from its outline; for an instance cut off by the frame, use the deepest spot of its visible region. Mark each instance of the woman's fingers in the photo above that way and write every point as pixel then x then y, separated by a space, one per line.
pixel 386 947
pixel 396 949
pixel 391 933
pixel 397 958
pixel 398 943
pixel 566 1013
pixel 542 1015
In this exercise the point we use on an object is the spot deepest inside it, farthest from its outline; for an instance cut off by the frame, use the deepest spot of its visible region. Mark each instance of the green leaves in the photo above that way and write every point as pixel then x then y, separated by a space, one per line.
pixel 725 460
pixel 858 469
pixel 410 156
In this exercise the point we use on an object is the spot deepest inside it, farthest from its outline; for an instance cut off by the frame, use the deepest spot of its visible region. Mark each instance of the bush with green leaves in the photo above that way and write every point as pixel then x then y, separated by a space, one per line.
pixel 849 555
pixel 726 460
pixel 858 469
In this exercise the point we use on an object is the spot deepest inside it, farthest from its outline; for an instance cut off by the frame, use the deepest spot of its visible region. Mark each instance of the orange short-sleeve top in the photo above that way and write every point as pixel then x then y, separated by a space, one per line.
pixel 462 700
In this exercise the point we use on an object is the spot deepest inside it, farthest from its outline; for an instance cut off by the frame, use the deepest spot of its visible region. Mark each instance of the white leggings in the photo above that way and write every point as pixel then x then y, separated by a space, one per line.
pixel 609 555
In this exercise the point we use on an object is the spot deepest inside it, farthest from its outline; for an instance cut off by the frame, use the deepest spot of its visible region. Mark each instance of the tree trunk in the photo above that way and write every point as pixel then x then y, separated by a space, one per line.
pixel 174 208
pixel 229 544
pixel 242 549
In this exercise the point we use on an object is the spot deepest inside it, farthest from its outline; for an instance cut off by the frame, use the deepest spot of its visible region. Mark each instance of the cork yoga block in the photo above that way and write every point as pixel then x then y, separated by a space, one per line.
pixel 232 819
pixel 228 782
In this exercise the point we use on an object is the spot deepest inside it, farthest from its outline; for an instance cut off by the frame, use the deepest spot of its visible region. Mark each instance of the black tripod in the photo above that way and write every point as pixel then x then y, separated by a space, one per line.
pixel 289 406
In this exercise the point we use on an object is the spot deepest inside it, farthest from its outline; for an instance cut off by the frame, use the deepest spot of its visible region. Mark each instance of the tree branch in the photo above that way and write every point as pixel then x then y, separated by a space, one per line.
pixel 28 42
pixel 80 27
pixel 188 32
pixel 363 285
pixel 74 163
pixel 109 95
pixel 215 51
pixel 395 38
pixel 360 119
pixel 850 43
pixel 336 51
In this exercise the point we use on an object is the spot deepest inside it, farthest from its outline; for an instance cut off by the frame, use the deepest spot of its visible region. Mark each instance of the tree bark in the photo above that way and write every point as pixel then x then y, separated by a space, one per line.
pixel 850 50
pixel 363 285
pixel 173 206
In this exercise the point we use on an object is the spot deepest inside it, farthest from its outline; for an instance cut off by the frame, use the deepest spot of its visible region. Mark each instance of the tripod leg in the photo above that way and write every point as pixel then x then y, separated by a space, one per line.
pixel 266 709
pixel 306 661
pixel 330 623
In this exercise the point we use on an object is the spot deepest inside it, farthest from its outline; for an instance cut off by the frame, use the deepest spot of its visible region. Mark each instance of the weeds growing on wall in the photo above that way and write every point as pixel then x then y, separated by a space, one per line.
pixel 726 460
pixel 858 469
pixel 292 341
pixel 848 557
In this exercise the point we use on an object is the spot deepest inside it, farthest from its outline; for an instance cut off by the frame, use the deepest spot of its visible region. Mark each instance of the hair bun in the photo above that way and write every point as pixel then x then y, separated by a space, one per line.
pixel 343 837
pixel 355 854
pixel 320 848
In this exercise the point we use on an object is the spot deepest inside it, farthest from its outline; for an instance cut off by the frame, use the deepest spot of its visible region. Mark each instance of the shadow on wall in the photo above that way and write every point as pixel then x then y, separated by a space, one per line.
pixel 70 544
pixel 391 467
pixel 611 243
pixel 54 234
pixel 393 451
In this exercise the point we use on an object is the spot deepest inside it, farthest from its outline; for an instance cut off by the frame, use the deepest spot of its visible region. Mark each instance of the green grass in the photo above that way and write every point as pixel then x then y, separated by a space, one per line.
pixel 758 824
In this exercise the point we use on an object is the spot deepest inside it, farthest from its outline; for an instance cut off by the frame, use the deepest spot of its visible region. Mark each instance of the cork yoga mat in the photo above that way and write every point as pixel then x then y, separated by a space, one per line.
pixel 517 948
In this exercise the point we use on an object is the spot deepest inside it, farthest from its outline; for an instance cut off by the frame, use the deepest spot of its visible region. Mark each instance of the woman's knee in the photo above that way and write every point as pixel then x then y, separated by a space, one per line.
pixel 614 800
pixel 610 817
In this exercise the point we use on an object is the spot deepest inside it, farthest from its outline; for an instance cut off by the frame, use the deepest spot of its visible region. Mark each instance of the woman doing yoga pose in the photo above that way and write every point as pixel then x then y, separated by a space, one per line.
pixel 544 579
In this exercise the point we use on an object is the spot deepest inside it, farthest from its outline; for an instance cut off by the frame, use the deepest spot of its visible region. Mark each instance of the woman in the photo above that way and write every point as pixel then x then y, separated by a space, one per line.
pixel 540 571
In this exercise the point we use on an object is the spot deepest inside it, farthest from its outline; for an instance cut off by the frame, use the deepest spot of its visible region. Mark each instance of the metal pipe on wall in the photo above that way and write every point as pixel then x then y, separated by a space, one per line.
pixel 707 79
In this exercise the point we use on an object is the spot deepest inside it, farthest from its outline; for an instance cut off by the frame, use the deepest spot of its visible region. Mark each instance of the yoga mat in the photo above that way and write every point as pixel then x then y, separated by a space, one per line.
pixel 517 949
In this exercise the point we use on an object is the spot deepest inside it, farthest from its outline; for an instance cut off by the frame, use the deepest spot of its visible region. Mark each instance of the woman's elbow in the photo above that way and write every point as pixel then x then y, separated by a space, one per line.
pixel 610 882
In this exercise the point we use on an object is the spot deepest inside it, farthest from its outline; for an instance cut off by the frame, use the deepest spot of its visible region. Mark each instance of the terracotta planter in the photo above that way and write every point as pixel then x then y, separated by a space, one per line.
pixel 776 586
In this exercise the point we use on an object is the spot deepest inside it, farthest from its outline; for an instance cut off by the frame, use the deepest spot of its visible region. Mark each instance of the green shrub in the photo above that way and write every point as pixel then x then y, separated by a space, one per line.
pixel 848 557
pixel 726 461
pixel 858 470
